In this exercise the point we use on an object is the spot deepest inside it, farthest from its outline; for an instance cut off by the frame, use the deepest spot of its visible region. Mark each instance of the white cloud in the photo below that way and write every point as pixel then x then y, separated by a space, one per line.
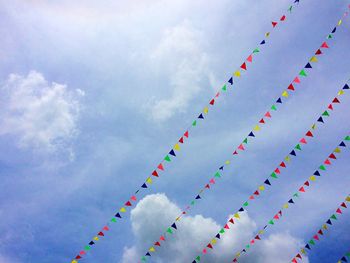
pixel 156 212
pixel 179 56
pixel 41 115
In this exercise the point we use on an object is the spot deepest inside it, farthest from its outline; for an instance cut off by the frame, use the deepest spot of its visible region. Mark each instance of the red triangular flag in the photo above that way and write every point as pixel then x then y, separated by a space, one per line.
pixel 309 134
pixel 294 260
pixel 303 141
pixel 186 134
pixel 336 100
pixel 133 198
pixel 318 52
pixel 330 106
pixel 226 226
pixel 298 256
pixel 157 244
pixel 332 156
pixel 128 203
pixel 343 205
pixel 316 237
pixel 244 66
pixel 282 164
pixel 212 181
pixel 277 171
pixel 276 217
pixel 217 95
pixel 251 197
pixel 307 183
pixel 155 173
pixel 320 232
pixel 262 121
pixel 181 140
pixel 162 238
pixel 241 147
pixel 256 192
pixel 105 228
pixel 274 24
pixel 324 45
pixel 78 257
pixel 207 186
pixel 301 189
pixel 327 162
pixel 210 246
pixel 100 234
pixel 290 87
pixel 235 152
pixel 296 80
pixel 257 237
pixel 231 221
pixel 339 211
pixel 160 167
pixel 212 102
pixel 283 18
pixel 250 58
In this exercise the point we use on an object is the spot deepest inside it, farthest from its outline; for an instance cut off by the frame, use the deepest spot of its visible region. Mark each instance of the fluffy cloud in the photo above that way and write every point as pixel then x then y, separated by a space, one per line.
pixel 41 115
pixel 155 212
pixel 179 56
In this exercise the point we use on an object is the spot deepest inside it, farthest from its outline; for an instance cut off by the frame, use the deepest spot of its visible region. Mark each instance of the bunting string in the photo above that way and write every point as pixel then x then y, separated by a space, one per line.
pixel 319 233
pixel 292 87
pixel 174 151
pixel 346 257
pixel 276 173
pixel 302 189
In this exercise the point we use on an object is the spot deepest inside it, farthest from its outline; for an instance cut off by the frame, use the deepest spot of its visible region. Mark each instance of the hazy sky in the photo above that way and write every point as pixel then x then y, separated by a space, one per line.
pixel 93 95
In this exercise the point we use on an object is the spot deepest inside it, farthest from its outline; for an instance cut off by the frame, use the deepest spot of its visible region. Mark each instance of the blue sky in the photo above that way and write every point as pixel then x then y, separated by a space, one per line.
pixel 93 95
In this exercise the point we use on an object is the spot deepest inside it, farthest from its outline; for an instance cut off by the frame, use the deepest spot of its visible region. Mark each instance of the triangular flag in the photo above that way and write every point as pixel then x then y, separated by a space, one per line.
pixel 174 226
pixel 172 152
pixel 283 18
pixel 267 182
pixel 308 65
pixel 318 52
pixel 229 81
pixel 302 73
pixel 313 59
pixel 167 158
pixel 251 134
pixel 296 80
pixel 324 45
pixel 244 66
pixel 262 42
pixel 285 94
pixel 291 87
pixel 250 58
pixel 267 114
pixel 309 133
pixel 320 120
pixel 274 24
pixel 212 102
pixel 237 73
pixel 200 116
pixel 160 167
pixel 335 100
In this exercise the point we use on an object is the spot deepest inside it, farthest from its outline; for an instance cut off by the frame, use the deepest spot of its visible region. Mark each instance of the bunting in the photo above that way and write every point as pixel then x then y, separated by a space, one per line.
pixel 174 151
pixel 321 231
pixel 295 197
pixel 346 257
pixel 251 135
pixel 277 172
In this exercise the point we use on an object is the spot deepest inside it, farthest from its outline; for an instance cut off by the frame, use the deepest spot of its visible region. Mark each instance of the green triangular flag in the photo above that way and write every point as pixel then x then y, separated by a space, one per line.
pixel 290 8
pixel 224 88
pixel 87 248
pixel 113 220
pixel 192 203
pixel 194 123
pixel 222 231
pixel 256 50
pixel 167 158
pixel 247 246
pixel 198 258
pixel 312 242
pixel 143 258
pixel 169 230
pixel 325 113
pixel 273 107
pixel 322 167
pixel 334 217
pixel 245 204
pixel 347 138
pixel 217 175
pixel 298 147
pixel 348 254
pixel 274 175
pixel 245 140
pixel 271 222
pixel 296 195
pixel 329 36
pixel 302 73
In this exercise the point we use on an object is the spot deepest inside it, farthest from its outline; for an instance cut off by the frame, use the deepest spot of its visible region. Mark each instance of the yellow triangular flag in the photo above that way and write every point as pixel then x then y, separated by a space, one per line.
pixel 96 238
pixel 262 188
pixel 149 180
pixel 205 111
pixel 285 94
pixel 341 92
pixel 227 162
pixel 347 199
pixel 74 261
pixel 287 159
pixel 177 147
pixel 303 251
pixel 285 206
pixel 237 73
pixel 238 254
pixel 337 150
pixel 313 126
pixel 123 210
pixel 312 178
pixel 237 216
pixel 339 23
pixel 152 249
pixel 313 59
pixel 213 241
pixel 324 227
pixel 267 34
pixel 256 128
pixel 261 232
pixel 178 218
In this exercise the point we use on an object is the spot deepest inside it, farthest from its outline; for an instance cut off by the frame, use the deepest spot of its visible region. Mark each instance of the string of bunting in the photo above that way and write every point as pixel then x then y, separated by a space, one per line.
pixel 292 87
pixel 293 199
pixel 174 151
pixel 316 237
pixel 346 257
pixel 283 165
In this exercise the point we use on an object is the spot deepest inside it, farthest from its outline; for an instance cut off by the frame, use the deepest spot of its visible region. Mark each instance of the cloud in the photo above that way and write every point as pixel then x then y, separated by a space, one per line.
pixel 41 115
pixel 180 57
pixel 155 212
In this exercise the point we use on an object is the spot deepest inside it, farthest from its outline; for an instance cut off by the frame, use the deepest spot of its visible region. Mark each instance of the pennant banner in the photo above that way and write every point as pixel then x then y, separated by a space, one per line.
pixel 291 201
pixel 291 88
pixel 174 151
pixel 346 257
pixel 276 173
pixel 319 233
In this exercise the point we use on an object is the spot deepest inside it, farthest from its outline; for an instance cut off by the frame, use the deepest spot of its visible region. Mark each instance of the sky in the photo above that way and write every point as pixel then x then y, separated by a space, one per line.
pixel 93 95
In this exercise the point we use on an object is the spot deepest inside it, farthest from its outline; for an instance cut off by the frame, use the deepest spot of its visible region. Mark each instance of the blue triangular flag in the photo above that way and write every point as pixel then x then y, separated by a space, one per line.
pixel 329 222
pixel 342 144
pixel 262 42
pixel 279 100
pixel 291 201
pixel 172 152
pixel 144 186
pixel 251 134
pixel 118 215
pixel 346 86
pixel 174 226
pixel 198 197
pixel 308 65
pixel 267 182
pixel 200 116
pixel 335 29
pixel 293 153
pixel 230 81
pixel 320 120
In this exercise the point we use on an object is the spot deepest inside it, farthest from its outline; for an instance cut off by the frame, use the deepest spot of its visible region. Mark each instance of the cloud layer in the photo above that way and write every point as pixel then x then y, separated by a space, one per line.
pixel 155 212
pixel 43 116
